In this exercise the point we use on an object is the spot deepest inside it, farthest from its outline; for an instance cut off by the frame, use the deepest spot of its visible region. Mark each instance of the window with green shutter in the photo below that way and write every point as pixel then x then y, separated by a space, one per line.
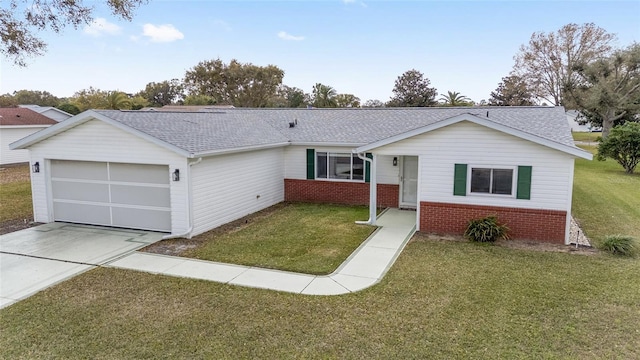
pixel 460 180
pixel 524 183
pixel 311 165
pixel 367 168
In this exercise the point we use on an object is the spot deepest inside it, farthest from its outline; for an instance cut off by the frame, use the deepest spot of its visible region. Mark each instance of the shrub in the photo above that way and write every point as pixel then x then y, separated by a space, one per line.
pixel 619 245
pixel 486 229
pixel 622 145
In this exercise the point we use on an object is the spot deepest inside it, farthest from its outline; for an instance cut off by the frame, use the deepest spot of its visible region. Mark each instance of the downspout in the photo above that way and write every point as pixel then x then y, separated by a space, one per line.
pixel 186 234
pixel 372 189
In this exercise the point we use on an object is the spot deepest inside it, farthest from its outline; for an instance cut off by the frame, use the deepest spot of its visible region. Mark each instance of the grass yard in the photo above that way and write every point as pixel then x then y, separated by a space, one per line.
pixel 442 299
pixel 586 136
pixel 606 200
pixel 309 238
pixel 15 194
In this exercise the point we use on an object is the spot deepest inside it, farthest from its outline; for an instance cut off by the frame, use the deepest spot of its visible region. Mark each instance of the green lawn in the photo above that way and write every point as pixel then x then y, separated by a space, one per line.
pixel 442 299
pixel 606 200
pixel 309 238
pixel 586 136
pixel 15 194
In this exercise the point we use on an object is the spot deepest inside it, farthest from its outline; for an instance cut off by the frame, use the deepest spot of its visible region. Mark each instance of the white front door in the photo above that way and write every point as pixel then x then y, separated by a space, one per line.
pixel 409 182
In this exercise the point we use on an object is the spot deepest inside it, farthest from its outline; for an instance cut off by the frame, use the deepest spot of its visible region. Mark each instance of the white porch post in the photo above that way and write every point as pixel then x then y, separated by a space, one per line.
pixel 373 190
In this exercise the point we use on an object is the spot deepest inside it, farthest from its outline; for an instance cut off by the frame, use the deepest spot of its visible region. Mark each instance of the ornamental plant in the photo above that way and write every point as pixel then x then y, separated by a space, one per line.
pixel 486 229
pixel 621 245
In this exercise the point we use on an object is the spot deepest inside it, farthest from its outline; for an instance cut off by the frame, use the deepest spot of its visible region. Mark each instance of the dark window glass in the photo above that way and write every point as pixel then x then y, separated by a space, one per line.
pixel 502 181
pixel 358 168
pixel 480 180
pixel 321 165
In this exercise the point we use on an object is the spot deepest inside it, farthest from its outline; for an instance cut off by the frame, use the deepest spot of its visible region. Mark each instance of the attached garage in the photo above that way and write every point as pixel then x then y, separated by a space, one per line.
pixel 111 194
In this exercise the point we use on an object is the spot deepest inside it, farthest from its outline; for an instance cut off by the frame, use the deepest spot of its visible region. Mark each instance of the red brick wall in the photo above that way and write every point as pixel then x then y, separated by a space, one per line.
pixel 339 192
pixel 525 224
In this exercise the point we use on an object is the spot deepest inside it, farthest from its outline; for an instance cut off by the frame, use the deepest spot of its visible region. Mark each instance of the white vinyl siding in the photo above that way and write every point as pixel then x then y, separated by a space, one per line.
pixel 9 134
pixel 468 143
pixel 100 142
pixel 228 187
pixel 296 163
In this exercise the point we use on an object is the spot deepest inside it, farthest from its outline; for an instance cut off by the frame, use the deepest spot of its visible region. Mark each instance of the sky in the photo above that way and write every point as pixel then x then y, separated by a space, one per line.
pixel 357 47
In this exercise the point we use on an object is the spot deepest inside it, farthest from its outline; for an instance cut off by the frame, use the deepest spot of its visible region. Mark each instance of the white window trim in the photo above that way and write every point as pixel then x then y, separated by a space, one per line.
pixel 514 180
pixel 315 170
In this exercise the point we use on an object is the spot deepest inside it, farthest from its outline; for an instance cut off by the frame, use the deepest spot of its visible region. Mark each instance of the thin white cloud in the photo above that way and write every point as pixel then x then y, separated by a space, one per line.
pixel 100 26
pixel 286 36
pixel 161 33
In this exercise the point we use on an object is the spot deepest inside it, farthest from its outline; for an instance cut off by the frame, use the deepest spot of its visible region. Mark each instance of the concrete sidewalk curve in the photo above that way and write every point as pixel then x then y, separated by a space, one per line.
pixel 365 267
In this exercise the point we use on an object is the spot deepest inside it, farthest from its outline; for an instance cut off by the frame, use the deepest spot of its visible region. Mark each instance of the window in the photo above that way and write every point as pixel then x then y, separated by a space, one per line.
pixel 491 181
pixel 342 166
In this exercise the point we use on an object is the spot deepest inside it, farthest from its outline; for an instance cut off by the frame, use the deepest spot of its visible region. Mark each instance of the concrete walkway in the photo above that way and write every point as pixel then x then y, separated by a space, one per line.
pixel 366 266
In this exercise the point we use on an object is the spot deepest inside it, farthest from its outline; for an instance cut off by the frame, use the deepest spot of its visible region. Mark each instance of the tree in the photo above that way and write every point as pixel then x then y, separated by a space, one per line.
pixel 290 97
pixel 547 61
pixel 21 20
pixel 199 100
pixel 138 102
pixel 412 89
pixel 7 100
pixel 42 98
pixel 323 96
pixel 622 145
pixel 117 100
pixel 373 104
pixel 90 99
pixel 347 100
pixel 453 98
pixel 237 84
pixel 69 108
pixel 163 93
pixel 608 89
pixel 512 91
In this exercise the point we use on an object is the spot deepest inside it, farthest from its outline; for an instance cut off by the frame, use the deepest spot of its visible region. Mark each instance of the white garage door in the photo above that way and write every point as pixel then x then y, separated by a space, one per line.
pixel 112 194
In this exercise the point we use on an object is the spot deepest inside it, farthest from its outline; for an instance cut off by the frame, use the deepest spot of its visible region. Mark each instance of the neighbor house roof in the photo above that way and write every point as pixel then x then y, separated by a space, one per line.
pixel 222 130
pixel 16 116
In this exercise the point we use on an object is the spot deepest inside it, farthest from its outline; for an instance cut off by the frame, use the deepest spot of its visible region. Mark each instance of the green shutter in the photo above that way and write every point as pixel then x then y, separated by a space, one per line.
pixel 311 164
pixel 367 168
pixel 460 180
pixel 524 183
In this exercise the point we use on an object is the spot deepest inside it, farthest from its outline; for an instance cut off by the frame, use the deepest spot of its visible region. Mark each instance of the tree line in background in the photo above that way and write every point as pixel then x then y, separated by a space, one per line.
pixel 576 67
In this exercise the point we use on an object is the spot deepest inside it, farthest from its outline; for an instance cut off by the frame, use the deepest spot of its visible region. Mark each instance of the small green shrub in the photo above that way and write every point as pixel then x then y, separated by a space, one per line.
pixel 619 245
pixel 486 229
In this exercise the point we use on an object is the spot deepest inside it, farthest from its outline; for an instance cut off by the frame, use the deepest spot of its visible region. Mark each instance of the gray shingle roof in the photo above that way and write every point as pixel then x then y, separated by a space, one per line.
pixel 199 132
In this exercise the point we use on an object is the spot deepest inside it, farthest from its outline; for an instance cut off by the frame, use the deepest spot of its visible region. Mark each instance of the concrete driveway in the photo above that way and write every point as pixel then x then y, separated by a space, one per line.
pixel 36 258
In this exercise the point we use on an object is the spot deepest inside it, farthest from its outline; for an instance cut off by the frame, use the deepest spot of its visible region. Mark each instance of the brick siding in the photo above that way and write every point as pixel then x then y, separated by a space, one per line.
pixel 524 224
pixel 339 192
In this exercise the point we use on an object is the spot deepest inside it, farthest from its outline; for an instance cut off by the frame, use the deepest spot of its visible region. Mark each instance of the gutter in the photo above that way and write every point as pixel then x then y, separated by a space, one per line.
pixel 372 189
pixel 187 234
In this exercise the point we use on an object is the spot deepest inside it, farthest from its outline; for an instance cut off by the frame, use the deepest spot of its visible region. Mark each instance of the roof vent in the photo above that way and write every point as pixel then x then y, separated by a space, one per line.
pixel 293 123
pixel 487 113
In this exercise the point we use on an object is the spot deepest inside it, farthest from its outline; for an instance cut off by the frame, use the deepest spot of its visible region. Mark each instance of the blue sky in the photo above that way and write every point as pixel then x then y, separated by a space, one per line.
pixel 357 47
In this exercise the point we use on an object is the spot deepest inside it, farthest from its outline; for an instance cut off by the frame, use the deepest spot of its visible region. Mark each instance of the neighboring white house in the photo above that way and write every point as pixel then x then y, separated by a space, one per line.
pixel 572 119
pixel 49 111
pixel 185 173
pixel 15 124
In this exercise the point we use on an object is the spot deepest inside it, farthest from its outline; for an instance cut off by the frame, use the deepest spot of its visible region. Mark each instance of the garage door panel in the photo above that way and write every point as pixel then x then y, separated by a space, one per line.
pixel 85 170
pixel 150 174
pixel 82 213
pixel 112 194
pixel 138 195
pixel 159 220
pixel 80 191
